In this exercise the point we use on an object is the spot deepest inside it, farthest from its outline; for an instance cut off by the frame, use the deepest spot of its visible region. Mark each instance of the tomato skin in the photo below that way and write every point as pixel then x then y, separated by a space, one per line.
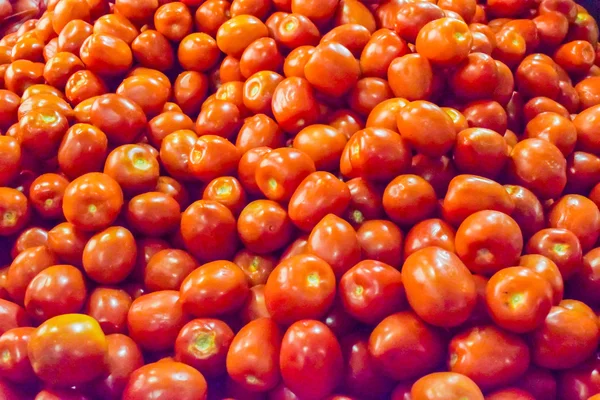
pixel 214 289
pixel 25 267
pixel 203 344
pixel 335 241
pixel 154 320
pixel 431 232
pixel 264 226
pixel 560 246
pixel 449 286
pixel 199 221
pixel 564 325
pixel 300 287
pixel 476 351
pixel 409 199
pixel 518 299
pixel 404 336
pixel 579 215
pixel 444 385
pixel 319 194
pixel 109 307
pixel 371 290
pixel 332 69
pixel 16 367
pixel 166 379
pixel 488 241
pixel 310 349
pixel 67 343
pixel 294 104
pixel 253 357
pixel 15 211
pixel 461 201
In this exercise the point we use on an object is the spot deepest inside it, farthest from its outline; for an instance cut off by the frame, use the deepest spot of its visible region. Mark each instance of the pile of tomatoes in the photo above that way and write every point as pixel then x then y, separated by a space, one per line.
pixel 299 199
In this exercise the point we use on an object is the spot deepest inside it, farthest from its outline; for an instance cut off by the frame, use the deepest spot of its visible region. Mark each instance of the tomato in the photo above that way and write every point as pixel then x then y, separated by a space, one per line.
pixel 25 267
pixel 539 382
pixel 580 382
pixel 528 211
pixel 213 289
pixel 155 319
pixel 124 357
pixel 559 245
pixel 442 134
pixel 443 385
pixel 579 215
pixel 71 343
pixel 198 224
pixel 332 69
pixel 253 357
pixel 309 350
pixel 153 213
pixel 31 237
pixel 152 49
pixel 235 34
pixel 460 200
pixel 300 287
pixel 110 255
pixel 476 144
pixel 546 268
pixel 167 269
pixel 264 226
pixel 377 154
pixel 409 199
pixel 83 150
pixel 450 38
pixel 372 290
pixel 518 299
pixel 365 202
pixel 56 290
pixel 118 117
pixel 14 210
pixel 67 242
pixel 254 307
pixel 294 105
pixel 431 232
pixel 548 341
pixel 476 351
pixel 203 344
pixel 15 366
pixel 212 156
pixel 116 25
pixel 403 335
pixel 109 307
pixel 324 144
pixel 166 379
pixel 84 85
pixel 148 92
pixel 73 35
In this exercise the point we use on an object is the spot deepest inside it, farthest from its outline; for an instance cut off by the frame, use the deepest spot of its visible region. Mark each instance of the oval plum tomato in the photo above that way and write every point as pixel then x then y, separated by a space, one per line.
pixel 264 226
pixel 319 194
pixel 253 357
pixel 310 350
pixel 488 241
pixel 579 215
pixel 564 325
pixel 14 210
pixel 124 357
pixel 372 290
pixel 445 385
pixel 477 352
pixel 476 144
pixel 335 241
pixel 409 199
pixel 214 289
pixel 71 343
pixel 404 335
pixel 25 267
pixel 323 143
pixel 212 156
pixel 560 246
pixel 15 366
pixel 109 307
pixel 110 255
pixel 155 319
pixel 431 232
pixel 300 287
pixel 203 344
pixel 198 224
pixel 57 290
pixel 92 201
pixel 376 154
pixel 167 377
pixel 332 69
pixel 294 104
pixel 449 287
pixel 445 41
pixel 419 115
pixel 153 213
pixel 518 299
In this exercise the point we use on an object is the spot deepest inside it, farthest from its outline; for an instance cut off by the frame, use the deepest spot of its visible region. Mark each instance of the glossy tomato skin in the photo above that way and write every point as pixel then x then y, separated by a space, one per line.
pixel 71 343
pixel 564 323
pixel 203 343
pixel 264 226
pixel 199 221
pixel 372 290
pixel 253 358
pixel 488 241
pixel 110 255
pixel 300 287
pixel 449 286
pixel 319 194
pixel 335 241
pixel 214 289
pixel 25 267
pixel 443 385
pixel 166 379
pixel 109 307
pixel 579 215
pixel 15 211
pixel 294 105
pixel 404 336
pixel 528 212
pixel 518 299
pixel 16 367
pixel 155 319
pixel 477 352
pixel 559 245
pixel 548 269
pixel 431 232
pixel 310 350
